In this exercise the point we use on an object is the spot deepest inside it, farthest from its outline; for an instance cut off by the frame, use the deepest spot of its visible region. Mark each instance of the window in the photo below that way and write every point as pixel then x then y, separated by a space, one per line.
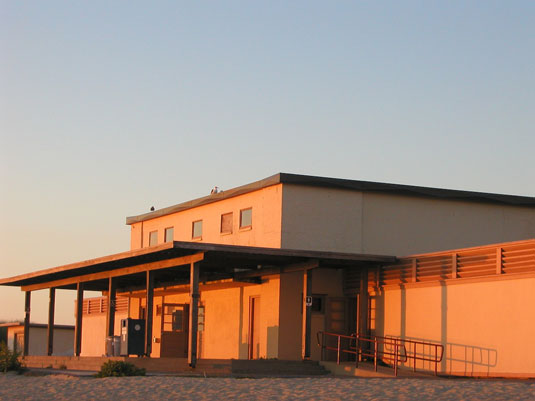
pixel 246 218
pixel 169 234
pixel 226 223
pixel 153 238
pixel 196 230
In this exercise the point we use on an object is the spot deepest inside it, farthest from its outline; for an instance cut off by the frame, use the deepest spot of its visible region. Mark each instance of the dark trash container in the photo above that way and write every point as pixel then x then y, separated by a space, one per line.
pixel 132 337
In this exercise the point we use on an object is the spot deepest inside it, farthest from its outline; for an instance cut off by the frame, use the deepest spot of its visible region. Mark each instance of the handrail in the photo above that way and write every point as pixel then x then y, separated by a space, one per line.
pixel 399 352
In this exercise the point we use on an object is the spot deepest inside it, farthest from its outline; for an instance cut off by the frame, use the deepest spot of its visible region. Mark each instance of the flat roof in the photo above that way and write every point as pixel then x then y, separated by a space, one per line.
pixel 339 183
pixel 220 261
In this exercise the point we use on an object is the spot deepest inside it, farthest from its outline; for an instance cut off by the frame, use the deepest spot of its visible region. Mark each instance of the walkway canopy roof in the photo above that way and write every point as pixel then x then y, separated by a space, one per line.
pixel 170 263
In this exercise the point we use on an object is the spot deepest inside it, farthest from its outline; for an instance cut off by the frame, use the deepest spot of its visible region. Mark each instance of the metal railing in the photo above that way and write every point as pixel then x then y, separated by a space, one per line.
pixel 385 348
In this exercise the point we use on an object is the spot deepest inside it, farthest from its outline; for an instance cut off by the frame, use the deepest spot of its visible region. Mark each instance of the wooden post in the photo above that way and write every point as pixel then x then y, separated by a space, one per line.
pixel 27 308
pixel 148 320
pixel 50 328
pixel 454 265
pixel 110 311
pixel 193 313
pixel 363 304
pixel 79 315
pixel 414 271
pixel 307 314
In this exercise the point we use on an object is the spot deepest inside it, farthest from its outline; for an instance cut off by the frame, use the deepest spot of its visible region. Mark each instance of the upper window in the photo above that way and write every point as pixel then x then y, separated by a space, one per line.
pixel 169 233
pixel 153 238
pixel 246 218
pixel 226 223
pixel 196 229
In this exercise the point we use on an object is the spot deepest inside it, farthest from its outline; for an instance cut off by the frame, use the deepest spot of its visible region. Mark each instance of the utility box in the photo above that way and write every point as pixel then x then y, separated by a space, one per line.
pixel 132 337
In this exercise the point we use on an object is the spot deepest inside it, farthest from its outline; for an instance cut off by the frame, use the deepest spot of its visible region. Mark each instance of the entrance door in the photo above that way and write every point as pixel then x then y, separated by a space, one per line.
pixel 19 342
pixel 254 327
pixel 175 327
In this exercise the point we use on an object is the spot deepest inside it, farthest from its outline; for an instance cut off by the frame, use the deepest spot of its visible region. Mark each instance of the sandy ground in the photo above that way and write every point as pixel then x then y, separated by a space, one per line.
pixel 62 387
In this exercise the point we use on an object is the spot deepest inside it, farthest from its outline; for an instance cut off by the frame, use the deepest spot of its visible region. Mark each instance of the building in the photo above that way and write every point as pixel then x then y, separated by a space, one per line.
pixel 63 338
pixel 259 270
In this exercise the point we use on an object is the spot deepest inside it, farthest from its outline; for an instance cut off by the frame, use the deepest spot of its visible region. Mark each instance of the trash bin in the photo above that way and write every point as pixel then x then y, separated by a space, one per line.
pixel 116 345
pixel 109 346
pixel 113 346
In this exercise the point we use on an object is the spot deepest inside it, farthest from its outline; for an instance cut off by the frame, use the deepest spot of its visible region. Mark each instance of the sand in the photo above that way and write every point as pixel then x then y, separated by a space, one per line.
pixel 63 387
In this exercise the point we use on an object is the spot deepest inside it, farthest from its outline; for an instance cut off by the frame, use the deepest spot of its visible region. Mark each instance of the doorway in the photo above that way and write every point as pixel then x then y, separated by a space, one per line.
pixel 254 327
pixel 175 328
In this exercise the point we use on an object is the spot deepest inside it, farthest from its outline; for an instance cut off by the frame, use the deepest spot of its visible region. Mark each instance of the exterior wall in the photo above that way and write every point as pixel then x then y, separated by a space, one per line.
pixel 349 221
pixel 486 326
pixel 326 283
pixel 94 333
pixel 63 340
pixel 226 332
pixel 265 231
pixel 402 225
pixel 326 219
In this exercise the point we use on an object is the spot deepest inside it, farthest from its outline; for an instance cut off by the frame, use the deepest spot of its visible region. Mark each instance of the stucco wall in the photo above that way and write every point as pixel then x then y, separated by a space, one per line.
pixel 321 219
pixel 226 332
pixel 402 225
pixel 94 333
pixel 326 283
pixel 350 221
pixel 487 327
pixel 266 221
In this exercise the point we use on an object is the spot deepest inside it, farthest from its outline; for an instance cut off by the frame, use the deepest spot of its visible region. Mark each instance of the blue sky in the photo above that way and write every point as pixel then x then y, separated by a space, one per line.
pixel 108 108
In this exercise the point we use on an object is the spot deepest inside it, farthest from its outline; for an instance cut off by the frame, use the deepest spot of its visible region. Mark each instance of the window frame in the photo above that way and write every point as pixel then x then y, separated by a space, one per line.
pixel 155 232
pixel 231 214
pixel 165 239
pixel 249 226
pixel 193 230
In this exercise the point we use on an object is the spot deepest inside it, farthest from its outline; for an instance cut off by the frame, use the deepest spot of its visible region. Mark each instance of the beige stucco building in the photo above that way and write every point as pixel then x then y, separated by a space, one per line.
pixel 63 338
pixel 291 256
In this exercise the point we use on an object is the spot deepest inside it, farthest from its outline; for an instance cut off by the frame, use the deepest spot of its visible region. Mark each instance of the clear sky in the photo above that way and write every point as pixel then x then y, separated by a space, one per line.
pixel 111 107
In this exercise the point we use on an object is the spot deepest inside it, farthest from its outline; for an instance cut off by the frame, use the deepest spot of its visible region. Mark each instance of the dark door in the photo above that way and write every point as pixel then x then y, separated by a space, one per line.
pixel 254 327
pixel 175 327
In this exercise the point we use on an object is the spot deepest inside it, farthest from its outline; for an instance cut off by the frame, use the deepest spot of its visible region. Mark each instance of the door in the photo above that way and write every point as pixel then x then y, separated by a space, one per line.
pixel 18 344
pixel 175 328
pixel 336 322
pixel 254 327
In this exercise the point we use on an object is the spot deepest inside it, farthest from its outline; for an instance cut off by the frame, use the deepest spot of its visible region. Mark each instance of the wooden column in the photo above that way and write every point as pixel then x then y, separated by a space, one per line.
pixel 193 313
pixel 307 314
pixel 79 315
pixel 148 318
pixel 363 303
pixel 50 328
pixel 110 311
pixel 27 303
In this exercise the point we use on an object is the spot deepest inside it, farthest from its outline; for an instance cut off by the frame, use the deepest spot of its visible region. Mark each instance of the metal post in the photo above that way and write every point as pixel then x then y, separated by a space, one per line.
pixel 357 355
pixel 338 352
pixel 27 308
pixel 396 357
pixel 375 353
pixel 193 313
pixel 415 356
pixel 78 324
pixel 50 327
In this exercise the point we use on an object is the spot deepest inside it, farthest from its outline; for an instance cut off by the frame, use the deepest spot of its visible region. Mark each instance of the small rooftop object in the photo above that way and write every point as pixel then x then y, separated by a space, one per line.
pixel 215 190
pixel 152 208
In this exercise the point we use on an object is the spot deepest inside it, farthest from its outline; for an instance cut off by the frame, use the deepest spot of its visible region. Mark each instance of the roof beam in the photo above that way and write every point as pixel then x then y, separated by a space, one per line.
pixel 145 267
